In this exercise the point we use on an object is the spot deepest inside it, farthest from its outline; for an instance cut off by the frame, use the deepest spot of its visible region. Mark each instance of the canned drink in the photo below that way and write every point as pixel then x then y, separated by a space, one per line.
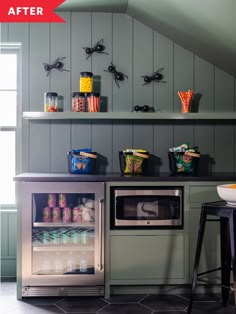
pixel 66 217
pixel 51 200
pixel 62 200
pixel 76 214
pixel 56 214
pixel 46 214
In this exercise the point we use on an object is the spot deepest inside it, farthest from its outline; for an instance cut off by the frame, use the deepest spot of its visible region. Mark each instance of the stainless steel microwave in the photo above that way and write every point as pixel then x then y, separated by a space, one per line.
pixel 133 207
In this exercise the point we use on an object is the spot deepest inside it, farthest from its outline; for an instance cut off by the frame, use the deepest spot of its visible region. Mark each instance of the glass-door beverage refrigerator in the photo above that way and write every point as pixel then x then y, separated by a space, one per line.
pixel 60 239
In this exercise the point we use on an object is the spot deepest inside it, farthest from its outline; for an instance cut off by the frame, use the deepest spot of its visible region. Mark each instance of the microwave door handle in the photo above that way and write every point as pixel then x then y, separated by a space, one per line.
pixel 100 201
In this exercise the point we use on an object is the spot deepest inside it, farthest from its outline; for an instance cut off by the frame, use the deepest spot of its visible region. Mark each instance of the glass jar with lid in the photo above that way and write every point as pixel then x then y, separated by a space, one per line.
pixel 93 102
pixel 50 102
pixel 86 82
pixel 78 102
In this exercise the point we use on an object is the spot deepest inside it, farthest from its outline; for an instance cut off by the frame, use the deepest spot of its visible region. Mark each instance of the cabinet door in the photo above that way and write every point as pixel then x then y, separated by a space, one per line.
pixel 147 257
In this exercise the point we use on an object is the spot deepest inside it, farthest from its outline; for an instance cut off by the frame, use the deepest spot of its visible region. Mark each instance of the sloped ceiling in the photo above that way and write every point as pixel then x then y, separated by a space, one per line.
pixel 205 27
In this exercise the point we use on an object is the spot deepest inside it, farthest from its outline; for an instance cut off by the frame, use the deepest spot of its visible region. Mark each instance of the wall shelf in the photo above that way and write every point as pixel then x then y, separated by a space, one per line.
pixel 128 116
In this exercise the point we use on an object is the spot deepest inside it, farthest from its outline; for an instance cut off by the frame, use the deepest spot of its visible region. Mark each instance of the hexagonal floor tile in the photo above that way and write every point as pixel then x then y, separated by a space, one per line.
pixel 126 298
pixel 81 304
pixel 125 309
pixel 204 307
pixel 165 303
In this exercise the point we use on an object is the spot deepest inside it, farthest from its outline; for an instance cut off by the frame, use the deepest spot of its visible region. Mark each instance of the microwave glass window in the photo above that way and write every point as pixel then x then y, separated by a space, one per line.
pixel 147 207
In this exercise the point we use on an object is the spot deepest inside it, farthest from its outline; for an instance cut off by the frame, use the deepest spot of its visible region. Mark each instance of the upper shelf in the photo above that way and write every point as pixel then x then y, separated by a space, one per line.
pixel 129 115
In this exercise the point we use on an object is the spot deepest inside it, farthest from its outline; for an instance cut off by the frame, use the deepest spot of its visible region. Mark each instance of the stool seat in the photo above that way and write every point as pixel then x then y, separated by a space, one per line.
pixel 227 219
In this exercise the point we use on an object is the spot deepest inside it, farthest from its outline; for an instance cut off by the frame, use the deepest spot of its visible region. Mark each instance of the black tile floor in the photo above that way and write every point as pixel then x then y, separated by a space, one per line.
pixel 118 304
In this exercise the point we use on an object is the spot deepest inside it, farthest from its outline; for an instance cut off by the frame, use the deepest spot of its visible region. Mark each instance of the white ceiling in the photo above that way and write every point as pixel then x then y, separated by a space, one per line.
pixel 205 27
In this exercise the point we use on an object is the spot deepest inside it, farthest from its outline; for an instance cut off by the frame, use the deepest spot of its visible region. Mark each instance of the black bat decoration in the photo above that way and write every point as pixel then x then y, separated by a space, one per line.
pixel 98 47
pixel 156 76
pixel 57 64
pixel 117 76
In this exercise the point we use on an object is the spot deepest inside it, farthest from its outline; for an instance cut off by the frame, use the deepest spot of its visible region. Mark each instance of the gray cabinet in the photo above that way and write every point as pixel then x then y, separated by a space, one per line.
pixel 147 259
pixel 8 243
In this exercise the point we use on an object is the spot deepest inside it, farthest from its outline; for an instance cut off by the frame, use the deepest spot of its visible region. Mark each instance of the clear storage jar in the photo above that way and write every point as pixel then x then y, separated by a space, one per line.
pixel 93 102
pixel 50 102
pixel 86 82
pixel 78 102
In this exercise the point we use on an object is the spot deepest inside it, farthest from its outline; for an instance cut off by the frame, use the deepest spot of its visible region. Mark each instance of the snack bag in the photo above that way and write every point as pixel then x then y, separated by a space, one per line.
pixel 81 161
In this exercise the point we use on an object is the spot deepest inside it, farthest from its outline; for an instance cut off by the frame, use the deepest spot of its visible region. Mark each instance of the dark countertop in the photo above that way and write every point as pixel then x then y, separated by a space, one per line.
pixel 163 177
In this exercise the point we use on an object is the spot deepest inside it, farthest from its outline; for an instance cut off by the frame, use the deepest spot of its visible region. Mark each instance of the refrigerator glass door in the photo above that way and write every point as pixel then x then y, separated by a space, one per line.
pixel 62 234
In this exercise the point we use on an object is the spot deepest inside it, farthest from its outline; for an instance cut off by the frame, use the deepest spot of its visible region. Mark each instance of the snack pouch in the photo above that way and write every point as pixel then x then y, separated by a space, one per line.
pixel 184 162
pixel 134 161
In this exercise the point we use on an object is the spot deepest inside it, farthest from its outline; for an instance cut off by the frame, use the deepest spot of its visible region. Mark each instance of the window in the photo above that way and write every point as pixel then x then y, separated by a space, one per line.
pixel 9 97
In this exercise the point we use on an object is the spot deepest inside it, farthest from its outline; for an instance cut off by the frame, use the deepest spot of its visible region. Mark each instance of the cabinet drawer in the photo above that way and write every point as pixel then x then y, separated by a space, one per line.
pixel 202 194
pixel 147 257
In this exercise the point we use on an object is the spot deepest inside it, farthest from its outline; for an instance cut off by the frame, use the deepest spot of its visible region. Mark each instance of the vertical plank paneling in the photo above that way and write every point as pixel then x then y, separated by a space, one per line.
pixel 122 139
pixel 102 28
pixel 81 131
pixel 60 83
pixel 224 148
pixel 79 39
pixel 122 57
pixel 204 84
pixel 204 139
pixel 4 233
pixel 163 58
pixel 163 100
pixel 163 140
pixel 183 73
pixel 224 91
pixel 20 33
pixel 122 97
pixel 142 63
pixel 4 32
pixel 81 134
pixel 39 141
pixel 183 133
pixel 12 228
pixel 102 144
pixel 102 130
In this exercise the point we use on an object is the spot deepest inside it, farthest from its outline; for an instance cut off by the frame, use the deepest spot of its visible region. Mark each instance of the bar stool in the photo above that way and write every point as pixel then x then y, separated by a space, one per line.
pixel 227 218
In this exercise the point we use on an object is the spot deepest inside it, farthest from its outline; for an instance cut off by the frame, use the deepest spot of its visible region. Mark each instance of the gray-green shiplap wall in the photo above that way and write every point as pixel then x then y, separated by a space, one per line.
pixel 136 50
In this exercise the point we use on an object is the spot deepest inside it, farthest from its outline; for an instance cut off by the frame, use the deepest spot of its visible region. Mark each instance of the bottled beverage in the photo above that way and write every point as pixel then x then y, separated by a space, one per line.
pixel 55 237
pixel 71 262
pixel 84 238
pixel 46 237
pixel 83 266
pixel 58 263
pixel 46 263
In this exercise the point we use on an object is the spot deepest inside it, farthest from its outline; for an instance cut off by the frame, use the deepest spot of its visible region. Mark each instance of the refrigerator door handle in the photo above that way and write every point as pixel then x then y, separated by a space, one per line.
pixel 100 201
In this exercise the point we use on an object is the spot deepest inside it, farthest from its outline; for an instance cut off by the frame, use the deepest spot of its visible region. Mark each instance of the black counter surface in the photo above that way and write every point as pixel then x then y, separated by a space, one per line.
pixel 109 177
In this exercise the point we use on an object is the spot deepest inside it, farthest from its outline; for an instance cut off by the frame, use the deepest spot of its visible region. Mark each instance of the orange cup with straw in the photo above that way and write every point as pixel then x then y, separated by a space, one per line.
pixel 186 98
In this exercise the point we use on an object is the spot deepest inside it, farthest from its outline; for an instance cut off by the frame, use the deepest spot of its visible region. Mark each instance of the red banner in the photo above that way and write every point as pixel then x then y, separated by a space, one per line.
pixel 29 11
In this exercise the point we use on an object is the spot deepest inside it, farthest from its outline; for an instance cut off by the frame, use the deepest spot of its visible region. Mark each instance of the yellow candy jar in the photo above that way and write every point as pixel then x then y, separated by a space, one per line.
pixel 86 82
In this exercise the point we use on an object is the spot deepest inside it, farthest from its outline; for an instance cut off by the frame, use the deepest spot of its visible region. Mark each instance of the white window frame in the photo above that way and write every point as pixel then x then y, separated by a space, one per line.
pixel 14 48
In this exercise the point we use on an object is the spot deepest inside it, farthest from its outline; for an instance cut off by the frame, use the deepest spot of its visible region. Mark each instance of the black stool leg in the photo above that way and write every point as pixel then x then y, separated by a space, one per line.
pixel 225 259
pixel 201 231
pixel 232 231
